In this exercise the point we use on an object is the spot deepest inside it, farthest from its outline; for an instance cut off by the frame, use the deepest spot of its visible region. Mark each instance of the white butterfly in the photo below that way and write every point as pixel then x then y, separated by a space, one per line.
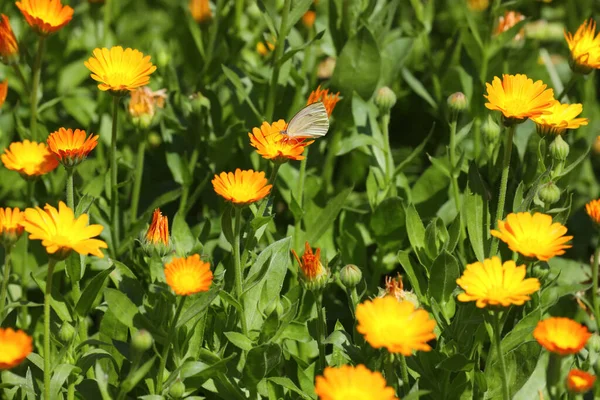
pixel 310 122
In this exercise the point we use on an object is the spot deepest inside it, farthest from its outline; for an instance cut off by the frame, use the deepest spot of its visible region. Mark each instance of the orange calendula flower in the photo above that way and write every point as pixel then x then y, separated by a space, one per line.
pixel 189 275
pixel 579 381
pixel 61 233
pixel 29 158
pixel 71 147
pixel 200 10
pixel 314 275
pixel 507 21
pixel 241 187
pixel 3 91
pixel 492 283
pixel 593 210
pixel 584 47
pixel 518 97
pixel 159 228
pixel 534 236
pixel 9 48
pixel 45 16
pixel 272 145
pixel 561 118
pixel 562 336
pixel 329 100
pixel 478 5
pixel 397 326
pixel 15 346
pixel 348 382
pixel 120 70
pixel 309 18
pixel 11 225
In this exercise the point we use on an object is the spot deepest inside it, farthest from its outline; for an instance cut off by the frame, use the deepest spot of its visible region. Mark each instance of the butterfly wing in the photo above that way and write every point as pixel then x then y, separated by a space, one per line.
pixel 310 122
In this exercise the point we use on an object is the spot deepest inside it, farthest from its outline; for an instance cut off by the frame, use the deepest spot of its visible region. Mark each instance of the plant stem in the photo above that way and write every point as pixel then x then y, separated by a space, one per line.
pixel 553 375
pixel 35 82
pixel 595 303
pixel 165 353
pixel 6 275
pixel 389 160
pixel 185 193
pixel 454 179
pixel 19 71
pixel 300 197
pixel 239 287
pixel 404 372
pixel 106 21
pixel 47 355
pixel 272 180
pixel 137 180
pixel 568 86
pixel 503 182
pixel 321 329
pixel 498 344
pixel 390 371
pixel 329 164
pixel 114 196
pixel 279 46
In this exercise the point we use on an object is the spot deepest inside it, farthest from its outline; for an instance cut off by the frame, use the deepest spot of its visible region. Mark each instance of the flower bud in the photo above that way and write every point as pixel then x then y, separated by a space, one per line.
pixel 141 340
pixel 549 193
pixel 154 139
pixel 313 275
pixel 541 271
pixel 350 276
pixel 308 19
pixel 177 389
pixel 385 99
pixel 157 237
pixel 457 102
pixel 559 149
pixel 66 332
pixel 491 131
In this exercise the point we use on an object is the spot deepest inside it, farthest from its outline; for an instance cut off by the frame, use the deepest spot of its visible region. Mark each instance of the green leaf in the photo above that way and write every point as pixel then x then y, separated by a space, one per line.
pixel 133 379
pixel 418 88
pixel 201 303
pixel 317 227
pixel 416 234
pixel 121 306
pixel 183 239
pixel 290 385
pixel 473 214
pixel 179 169
pixel 456 363
pixel 242 93
pixel 260 361
pixel 298 9
pixel 91 291
pixel 444 273
pixel 416 279
pixel 239 340
pixel 388 217
pixel 73 266
pixel 59 376
pixel 227 224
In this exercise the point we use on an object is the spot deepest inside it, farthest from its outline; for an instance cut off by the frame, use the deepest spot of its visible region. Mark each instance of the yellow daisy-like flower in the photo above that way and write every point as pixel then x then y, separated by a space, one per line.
pixel 11 225
pixel 45 16
pixel 561 118
pixel 561 335
pixel 263 49
pixel 348 382
pixel 397 326
pixel 329 100
pixel 241 187
pixel 61 233
pixel 593 210
pixel 189 275
pixel 3 91
pixel 200 10
pixel 272 145
pixel 29 158
pixel 518 97
pixel 584 47
pixel 15 346
pixel 9 48
pixel 120 70
pixel 492 283
pixel 71 147
pixel 534 236
pixel 579 381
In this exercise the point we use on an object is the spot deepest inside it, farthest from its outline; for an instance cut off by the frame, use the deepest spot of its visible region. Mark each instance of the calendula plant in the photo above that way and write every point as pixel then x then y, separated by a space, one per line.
pixel 298 199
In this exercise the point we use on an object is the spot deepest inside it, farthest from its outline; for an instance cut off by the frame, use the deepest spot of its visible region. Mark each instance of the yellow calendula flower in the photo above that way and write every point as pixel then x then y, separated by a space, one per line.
pixel 579 381
pixel 584 47
pixel 329 99
pixel 562 336
pixel 71 147
pixel 9 48
pixel 11 225
pixel 561 118
pixel 45 16
pixel 272 145
pixel 200 10
pixel 348 382
pixel 3 91
pixel 492 283
pixel 61 233
pixel 314 276
pixel 397 326
pixel 15 346
pixel 242 187
pixel 118 70
pixel 534 236
pixel 478 5
pixel 507 21
pixel 518 97
pixel 189 275
pixel 264 49
pixel 29 158
pixel 593 210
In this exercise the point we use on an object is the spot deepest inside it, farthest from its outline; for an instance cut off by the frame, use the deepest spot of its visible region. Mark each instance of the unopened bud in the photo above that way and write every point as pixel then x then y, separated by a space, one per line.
pixel 541 271
pixel 385 99
pixel 457 102
pixel 66 332
pixel 491 131
pixel 154 139
pixel 559 149
pixel 549 193
pixel 350 276
pixel 177 389
pixel 141 340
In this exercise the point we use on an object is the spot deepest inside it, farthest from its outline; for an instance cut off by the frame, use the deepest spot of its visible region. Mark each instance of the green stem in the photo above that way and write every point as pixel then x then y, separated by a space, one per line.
pixel 390 371
pixel 272 180
pixel 186 187
pixel 6 275
pixel 239 287
pixel 106 21
pixel 137 180
pixel 553 376
pixel 568 86
pixel 595 302
pixel 454 174
pixel 70 192
pixel 353 300
pixel 404 372
pixel 498 344
pixel 19 71
pixel 300 198
pixel 321 329
pixel 389 159
pixel 165 353
pixel 503 182
pixel 114 196
pixel 329 163
pixel 239 10
pixel 47 355
pixel 35 82
pixel 279 46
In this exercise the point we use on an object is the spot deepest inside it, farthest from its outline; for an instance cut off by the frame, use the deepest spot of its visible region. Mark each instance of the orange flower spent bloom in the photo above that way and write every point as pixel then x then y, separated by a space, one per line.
pixel 189 275
pixel 11 225
pixel 518 97
pixel 593 210
pixel 584 47
pixel 328 99
pixel 118 70
pixel 272 145
pixel 478 5
pixel 309 18
pixel 397 326
pixel 61 233
pixel 15 346
pixel 71 147
pixel 534 236
pixel 9 48
pixel 314 275
pixel 200 10
pixel 507 21
pixel 562 336
pixel 144 101
pixel 561 118
pixel 45 16
pixel 29 158
pixel 3 91
pixel 579 381
pixel 394 287
pixel 492 283
pixel 241 187
pixel 348 382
